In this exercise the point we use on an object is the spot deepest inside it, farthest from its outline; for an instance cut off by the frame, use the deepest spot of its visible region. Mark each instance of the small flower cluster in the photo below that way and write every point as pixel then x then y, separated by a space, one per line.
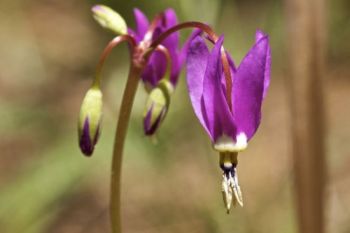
pixel 226 98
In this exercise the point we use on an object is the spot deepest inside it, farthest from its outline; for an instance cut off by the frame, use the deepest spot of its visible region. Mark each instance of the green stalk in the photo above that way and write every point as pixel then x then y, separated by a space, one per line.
pixel 122 126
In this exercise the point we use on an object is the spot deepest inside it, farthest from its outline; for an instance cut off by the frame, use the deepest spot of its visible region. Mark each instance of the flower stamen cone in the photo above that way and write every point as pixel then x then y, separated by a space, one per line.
pixel 231 192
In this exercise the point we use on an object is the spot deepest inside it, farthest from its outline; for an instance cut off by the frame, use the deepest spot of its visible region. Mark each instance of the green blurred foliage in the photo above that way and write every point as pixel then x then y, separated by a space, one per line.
pixel 172 183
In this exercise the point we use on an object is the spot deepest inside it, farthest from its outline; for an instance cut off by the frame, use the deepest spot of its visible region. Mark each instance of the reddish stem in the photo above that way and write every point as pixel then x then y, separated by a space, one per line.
pixel 108 49
pixel 213 38
pixel 152 27
pixel 166 53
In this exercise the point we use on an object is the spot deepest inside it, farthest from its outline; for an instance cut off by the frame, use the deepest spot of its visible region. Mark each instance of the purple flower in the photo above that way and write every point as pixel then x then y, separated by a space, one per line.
pixel 229 128
pixel 157 63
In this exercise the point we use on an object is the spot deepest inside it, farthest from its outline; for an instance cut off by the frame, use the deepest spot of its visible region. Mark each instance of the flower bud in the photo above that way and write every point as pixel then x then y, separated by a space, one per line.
pixel 89 120
pixel 157 106
pixel 109 19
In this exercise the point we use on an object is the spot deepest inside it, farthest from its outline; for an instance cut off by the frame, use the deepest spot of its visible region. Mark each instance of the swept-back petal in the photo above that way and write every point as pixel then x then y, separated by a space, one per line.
pixel 172 41
pixel 220 119
pixel 155 68
pixel 197 57
pixel 248 88
pixel 259 35
pixel 141 23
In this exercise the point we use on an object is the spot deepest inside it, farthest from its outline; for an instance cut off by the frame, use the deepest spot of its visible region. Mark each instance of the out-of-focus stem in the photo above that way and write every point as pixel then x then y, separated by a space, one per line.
pixel 122 126
pixel 306 40
pixel 108 49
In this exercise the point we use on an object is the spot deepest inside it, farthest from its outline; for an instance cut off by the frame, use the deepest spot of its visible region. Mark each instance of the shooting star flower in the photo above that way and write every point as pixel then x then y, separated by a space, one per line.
pixel 230 120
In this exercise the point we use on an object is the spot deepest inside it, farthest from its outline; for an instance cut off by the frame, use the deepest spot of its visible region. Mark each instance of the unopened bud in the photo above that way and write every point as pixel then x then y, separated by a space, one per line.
pixel 109 19
pixel 157 107
pixel 90 120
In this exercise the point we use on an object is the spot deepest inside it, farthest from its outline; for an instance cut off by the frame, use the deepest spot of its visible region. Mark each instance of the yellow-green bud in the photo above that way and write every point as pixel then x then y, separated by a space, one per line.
pixel 109 19
pixel 157 107
pixel 90 120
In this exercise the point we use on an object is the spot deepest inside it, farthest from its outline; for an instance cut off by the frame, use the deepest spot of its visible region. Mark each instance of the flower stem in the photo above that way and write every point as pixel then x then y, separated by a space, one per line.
pixel 213 38
pixel 166 53
pixel 117 40
pixel 122 125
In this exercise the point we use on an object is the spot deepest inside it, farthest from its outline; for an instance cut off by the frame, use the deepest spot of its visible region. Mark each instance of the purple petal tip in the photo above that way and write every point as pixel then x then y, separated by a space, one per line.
pixel 150 129
pixel 86 146
pixel 97 8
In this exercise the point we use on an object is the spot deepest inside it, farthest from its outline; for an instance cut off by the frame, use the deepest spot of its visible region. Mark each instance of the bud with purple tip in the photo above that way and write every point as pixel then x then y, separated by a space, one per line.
pixel 109 19
pixel 157 106
pixel 90 120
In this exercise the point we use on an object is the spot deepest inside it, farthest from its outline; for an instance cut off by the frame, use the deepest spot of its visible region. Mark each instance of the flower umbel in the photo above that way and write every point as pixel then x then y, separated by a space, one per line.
pixel 163 66
pixel 227 100
pixel 229 127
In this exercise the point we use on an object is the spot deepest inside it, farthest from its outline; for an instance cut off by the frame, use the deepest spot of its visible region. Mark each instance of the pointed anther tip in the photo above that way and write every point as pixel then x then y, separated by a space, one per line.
pixel 227 194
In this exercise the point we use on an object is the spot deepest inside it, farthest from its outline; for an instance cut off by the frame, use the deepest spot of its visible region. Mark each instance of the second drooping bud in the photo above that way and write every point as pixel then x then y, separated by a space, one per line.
pixel 109 19
pixel 157 106
pixel 90 120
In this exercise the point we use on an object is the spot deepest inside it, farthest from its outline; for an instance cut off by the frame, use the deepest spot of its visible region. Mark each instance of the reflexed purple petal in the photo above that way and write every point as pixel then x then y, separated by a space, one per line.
pixel 232 69
pixel 197 57
pixel 248 87
pixel 141 23
pixel 172 41
pixel 155 68
pixel 170 17
pixel 148 76
pixel 259 35
pixel 220 119
pixel 159 62
pixel 176 65
pixel 84 141
pixel 185 47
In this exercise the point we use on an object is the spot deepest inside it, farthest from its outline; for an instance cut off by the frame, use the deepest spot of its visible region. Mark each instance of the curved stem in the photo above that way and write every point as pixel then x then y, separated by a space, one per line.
pixel 108 49
pixel 152 26
pixel 122 126
pixel 213 38
pixel 166 53
pixel 207 29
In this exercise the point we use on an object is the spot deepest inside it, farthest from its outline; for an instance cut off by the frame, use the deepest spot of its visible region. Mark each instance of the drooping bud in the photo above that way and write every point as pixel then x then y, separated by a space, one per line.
pixel 109 19
pixel 90 120
pixel 157 106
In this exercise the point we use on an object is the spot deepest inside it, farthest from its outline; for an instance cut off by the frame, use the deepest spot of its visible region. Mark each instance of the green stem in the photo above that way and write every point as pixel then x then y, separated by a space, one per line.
pixel 122 126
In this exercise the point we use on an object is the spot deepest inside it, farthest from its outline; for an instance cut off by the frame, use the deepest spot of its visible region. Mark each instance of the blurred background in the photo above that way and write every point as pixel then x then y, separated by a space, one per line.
pixel 49 50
